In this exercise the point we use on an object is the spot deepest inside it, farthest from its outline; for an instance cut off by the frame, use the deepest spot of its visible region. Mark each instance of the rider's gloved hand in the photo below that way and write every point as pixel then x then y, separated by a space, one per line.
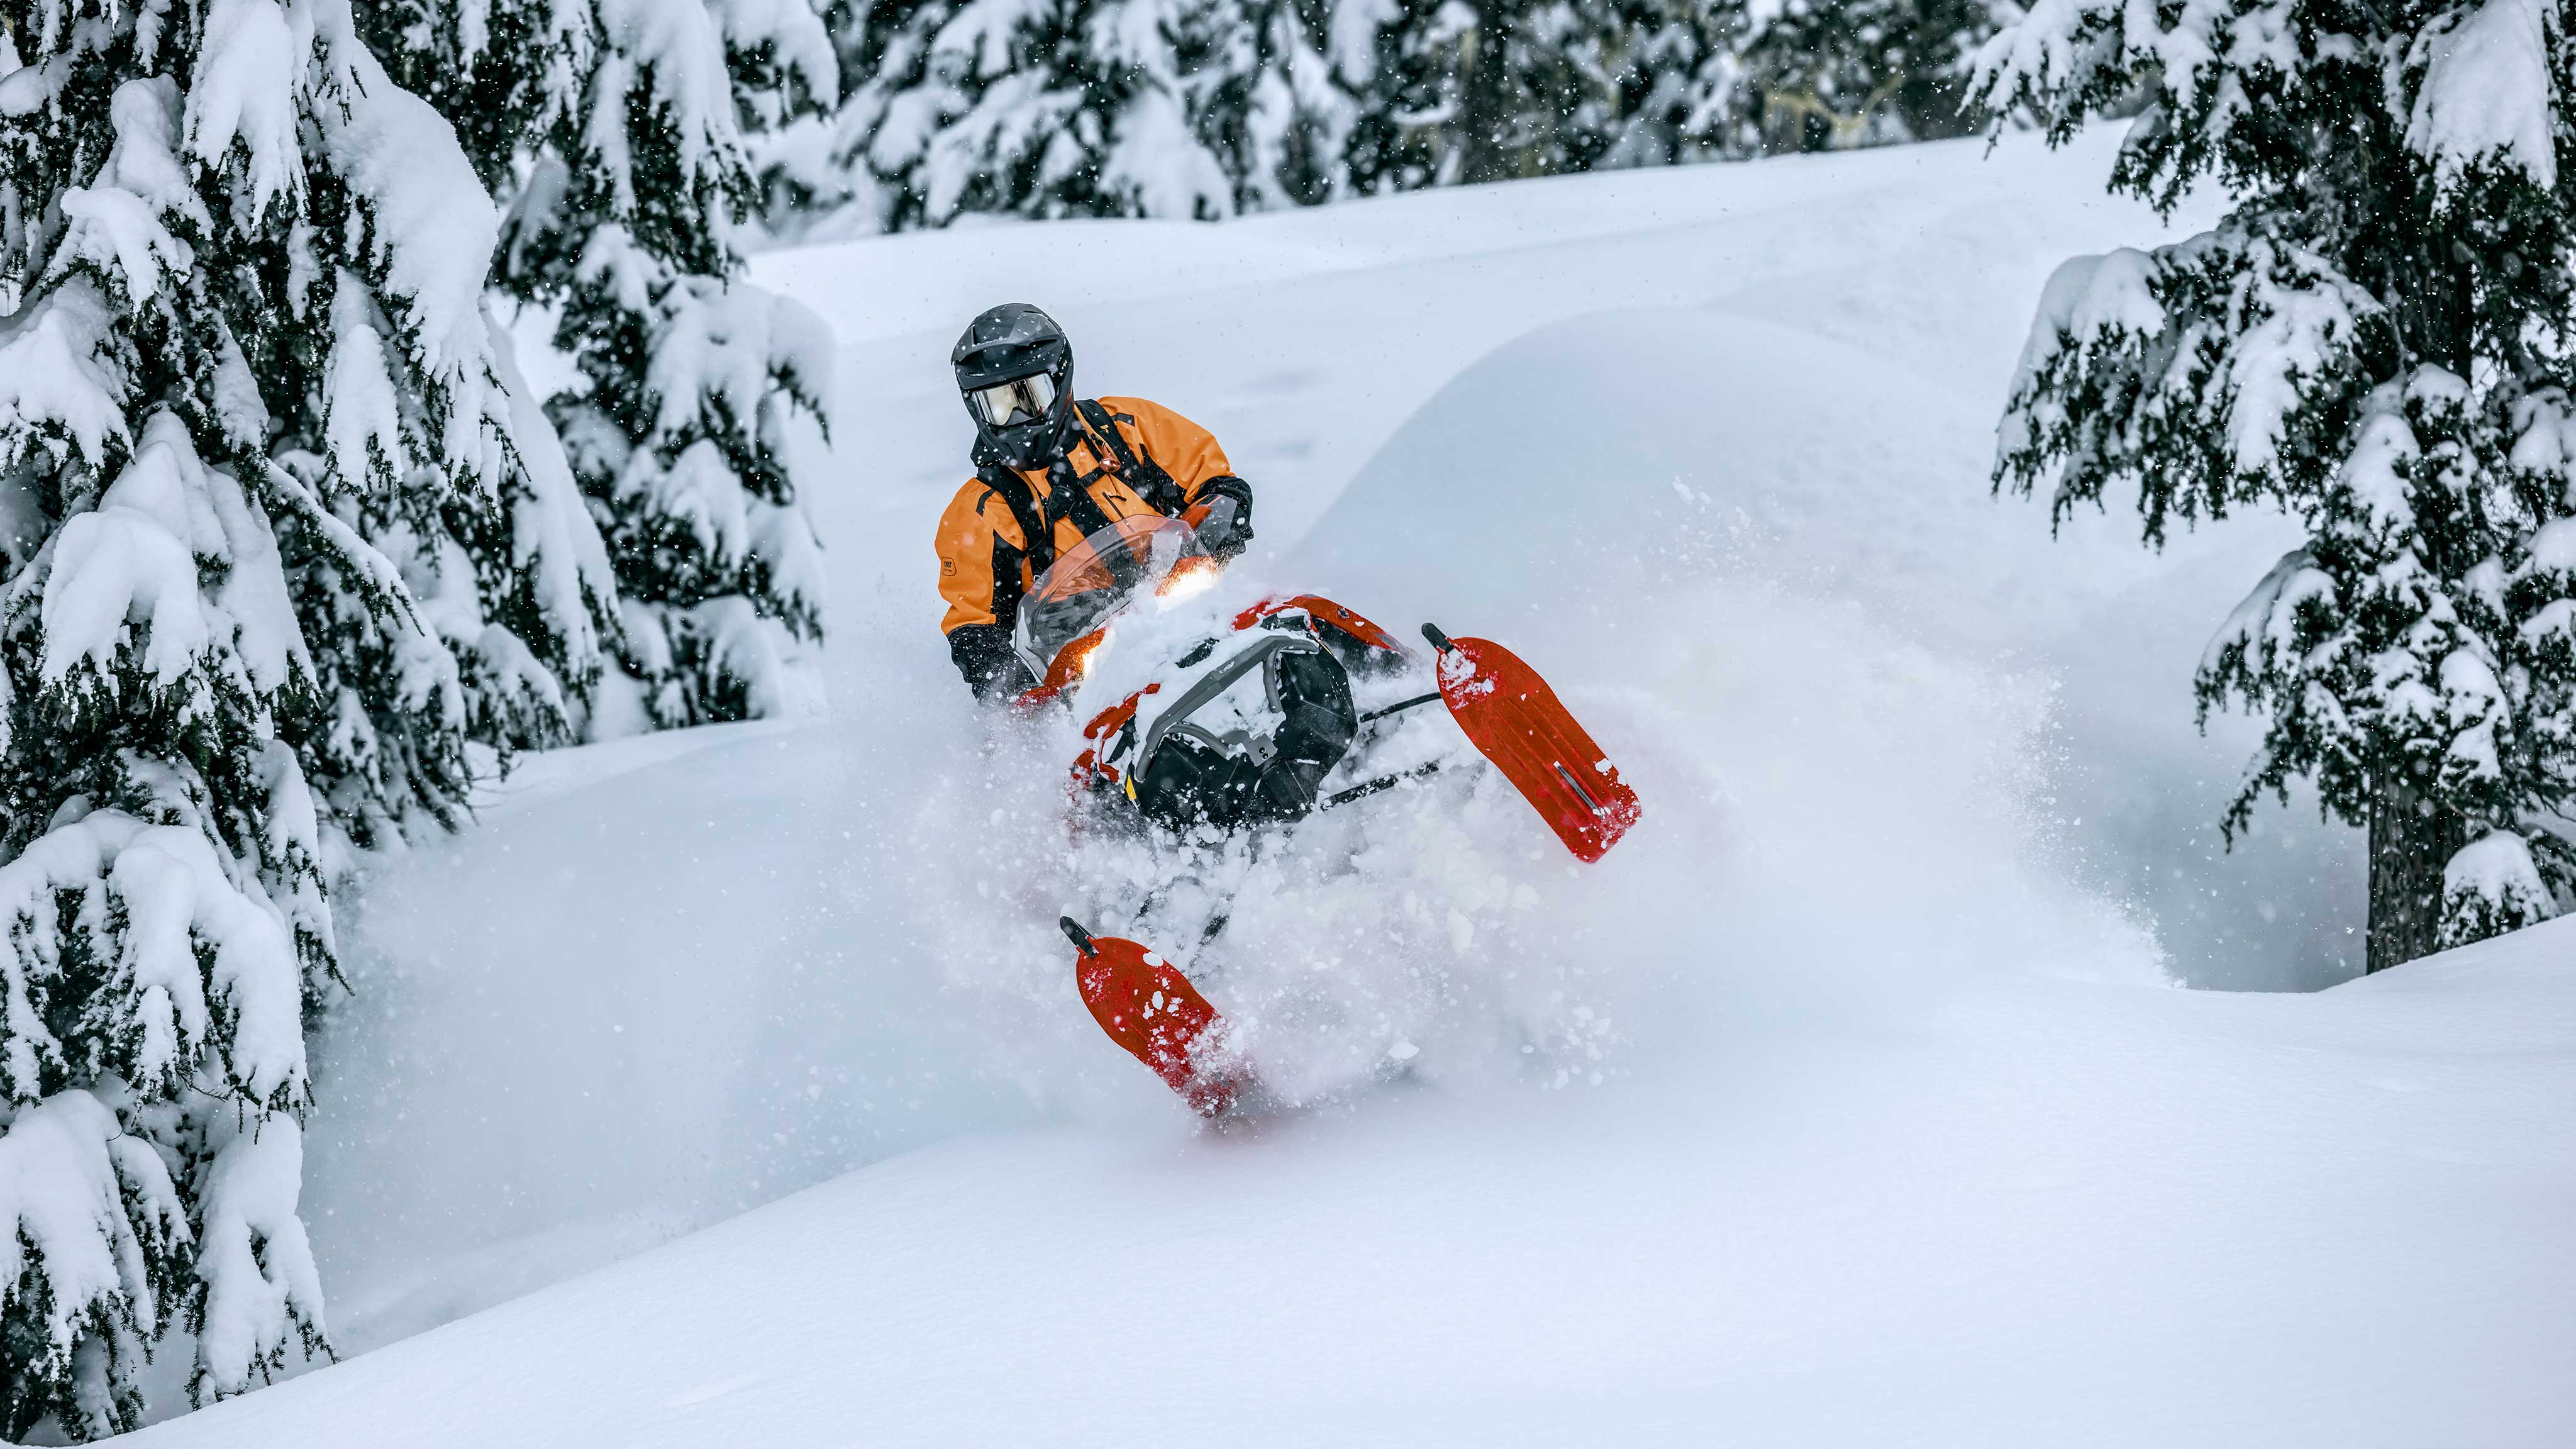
pixel 1007 684
pixel 983 654
pixel 1223 517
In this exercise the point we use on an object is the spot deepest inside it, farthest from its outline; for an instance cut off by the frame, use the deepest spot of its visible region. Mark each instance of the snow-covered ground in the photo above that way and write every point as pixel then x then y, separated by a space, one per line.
pixel 1850 1100
pixel 2043 1213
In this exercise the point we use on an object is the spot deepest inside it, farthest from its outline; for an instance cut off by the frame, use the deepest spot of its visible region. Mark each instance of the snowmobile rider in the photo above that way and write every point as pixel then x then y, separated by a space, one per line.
pixel 1051 470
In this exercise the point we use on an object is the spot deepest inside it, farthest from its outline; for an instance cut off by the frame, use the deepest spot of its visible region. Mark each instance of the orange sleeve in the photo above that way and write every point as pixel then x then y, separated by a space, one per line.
pixel 1187 451
pixel 965 543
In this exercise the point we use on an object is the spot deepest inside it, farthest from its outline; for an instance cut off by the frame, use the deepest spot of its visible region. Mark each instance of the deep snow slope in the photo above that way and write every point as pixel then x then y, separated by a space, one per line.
pixel 2044 1213
pixel 1848 1101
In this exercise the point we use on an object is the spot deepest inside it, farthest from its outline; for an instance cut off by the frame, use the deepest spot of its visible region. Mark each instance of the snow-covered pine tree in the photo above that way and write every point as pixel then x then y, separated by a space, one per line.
pixel 616 128
pixel 1833 74
pixel 839 174
pixel 248 395
pixel 1282 117
pixel 2376 339
pixel 1437 92
pixel 1166 108
pixel 699 434
pixel 1682 85
pixel 1466 91
pixel 1206 108
pixel 789 86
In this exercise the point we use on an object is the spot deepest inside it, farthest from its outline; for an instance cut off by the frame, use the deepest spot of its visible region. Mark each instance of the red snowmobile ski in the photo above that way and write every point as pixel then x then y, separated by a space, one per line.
pixel 1151 1009
pixel 1514 720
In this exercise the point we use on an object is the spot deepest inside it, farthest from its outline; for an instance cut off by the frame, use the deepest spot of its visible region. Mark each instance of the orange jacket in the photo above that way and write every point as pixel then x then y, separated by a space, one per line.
pixel 984 567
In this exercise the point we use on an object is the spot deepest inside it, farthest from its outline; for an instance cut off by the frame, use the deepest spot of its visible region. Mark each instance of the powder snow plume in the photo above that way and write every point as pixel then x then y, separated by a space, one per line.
pixel 1797 856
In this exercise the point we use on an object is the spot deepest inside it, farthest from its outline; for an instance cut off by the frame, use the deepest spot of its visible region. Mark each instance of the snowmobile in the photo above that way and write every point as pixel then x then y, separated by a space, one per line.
pixel 1201 716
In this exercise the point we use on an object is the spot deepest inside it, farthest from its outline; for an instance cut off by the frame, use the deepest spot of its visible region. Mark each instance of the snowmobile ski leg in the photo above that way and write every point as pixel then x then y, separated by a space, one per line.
pixel 1398 708
pixel 1366 788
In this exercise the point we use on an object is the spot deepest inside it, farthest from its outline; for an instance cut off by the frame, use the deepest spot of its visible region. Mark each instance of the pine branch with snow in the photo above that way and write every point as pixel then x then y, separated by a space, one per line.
pixel 699 423
pixel 2376 340
pixel 696 470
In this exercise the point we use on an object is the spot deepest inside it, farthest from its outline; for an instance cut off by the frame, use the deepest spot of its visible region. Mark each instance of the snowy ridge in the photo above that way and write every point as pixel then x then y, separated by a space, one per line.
pixel 1848 1101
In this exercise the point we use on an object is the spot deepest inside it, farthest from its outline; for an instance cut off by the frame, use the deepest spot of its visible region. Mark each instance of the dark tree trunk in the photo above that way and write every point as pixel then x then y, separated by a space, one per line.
pixel 2411 839
pixel 1483 116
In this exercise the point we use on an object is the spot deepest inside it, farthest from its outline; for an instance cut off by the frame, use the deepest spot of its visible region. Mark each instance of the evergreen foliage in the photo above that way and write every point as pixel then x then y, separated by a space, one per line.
pixel 1208 108
pixel 1180 108
pixel 2376 341
pixel 617 129
pixel 276 540
pixel 1833 74
pixel 1502 89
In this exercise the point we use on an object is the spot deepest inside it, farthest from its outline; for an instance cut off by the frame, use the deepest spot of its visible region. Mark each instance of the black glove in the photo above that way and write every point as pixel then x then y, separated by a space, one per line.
pixel 1228 529
pixel 983 653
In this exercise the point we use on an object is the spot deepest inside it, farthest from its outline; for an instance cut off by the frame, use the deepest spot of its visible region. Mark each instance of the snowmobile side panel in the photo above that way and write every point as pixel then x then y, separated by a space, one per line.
pixel 1323 611
pixel 1118 714
pixel 1516 721
pixel 1148 1007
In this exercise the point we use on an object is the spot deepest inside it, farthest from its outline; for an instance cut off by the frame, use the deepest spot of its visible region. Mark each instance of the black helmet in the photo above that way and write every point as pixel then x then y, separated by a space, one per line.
pixel 1015 372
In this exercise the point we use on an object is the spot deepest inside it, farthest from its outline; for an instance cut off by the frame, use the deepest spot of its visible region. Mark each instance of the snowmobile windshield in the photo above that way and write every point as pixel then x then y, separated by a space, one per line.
pixel 1095 578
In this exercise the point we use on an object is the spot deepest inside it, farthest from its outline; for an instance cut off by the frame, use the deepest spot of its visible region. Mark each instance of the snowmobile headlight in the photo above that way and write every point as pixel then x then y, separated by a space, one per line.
pixel 1190 576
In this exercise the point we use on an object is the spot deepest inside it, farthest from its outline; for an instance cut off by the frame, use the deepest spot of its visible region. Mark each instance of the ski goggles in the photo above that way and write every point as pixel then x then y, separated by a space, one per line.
pixel 1021 400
